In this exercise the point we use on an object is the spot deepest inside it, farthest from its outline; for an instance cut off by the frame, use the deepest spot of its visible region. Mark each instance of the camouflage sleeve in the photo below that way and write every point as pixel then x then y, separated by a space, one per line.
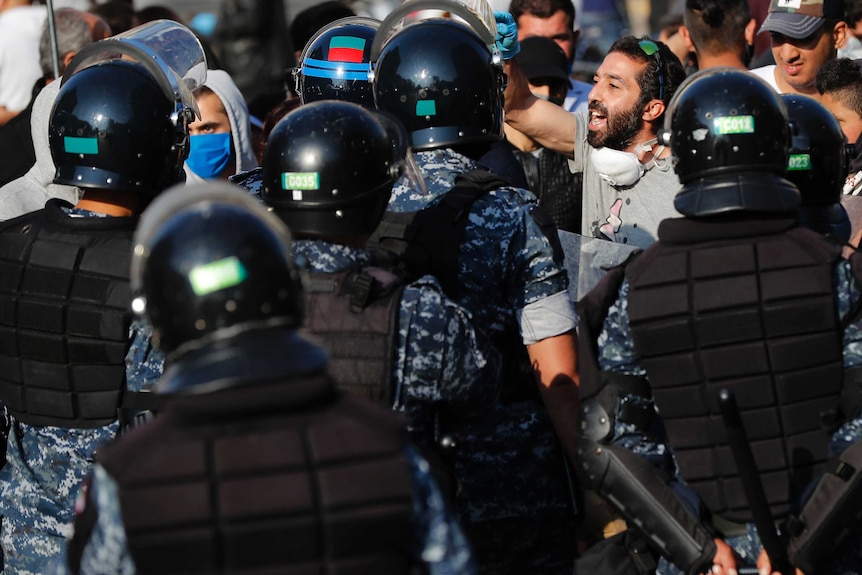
pixel 99 542
pixel 847 298
pixel 144 362
pixel 442 360
pixel 617 353
pixel 439 542
pixel 541 288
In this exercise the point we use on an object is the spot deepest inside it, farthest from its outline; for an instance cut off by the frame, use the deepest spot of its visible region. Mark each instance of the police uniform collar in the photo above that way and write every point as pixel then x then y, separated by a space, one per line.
pixel 57 212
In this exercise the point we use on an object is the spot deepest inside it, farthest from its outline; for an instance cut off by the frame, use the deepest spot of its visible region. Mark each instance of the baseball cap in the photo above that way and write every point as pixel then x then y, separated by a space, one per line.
pixel 540 57
pixel 800 18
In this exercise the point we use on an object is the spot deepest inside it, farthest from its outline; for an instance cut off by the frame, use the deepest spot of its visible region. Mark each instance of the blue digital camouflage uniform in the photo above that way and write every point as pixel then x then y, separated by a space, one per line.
pixel 510 467
pixel 45 467
pixel 438 541
pixel 617 353
pixel 440 358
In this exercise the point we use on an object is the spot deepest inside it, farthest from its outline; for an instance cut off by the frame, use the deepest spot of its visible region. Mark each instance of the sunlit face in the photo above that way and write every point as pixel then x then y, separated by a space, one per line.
pixel 557 28
pixel 850 121
pixel 798 61
pixel 214 119
pixel 615 114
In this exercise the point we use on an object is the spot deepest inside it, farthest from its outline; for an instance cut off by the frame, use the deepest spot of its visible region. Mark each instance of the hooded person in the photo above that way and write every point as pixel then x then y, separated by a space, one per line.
pixel 221 139
pixel 30 192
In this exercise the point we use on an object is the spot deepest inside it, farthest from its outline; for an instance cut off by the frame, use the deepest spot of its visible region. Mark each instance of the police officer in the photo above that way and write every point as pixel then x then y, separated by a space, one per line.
pixel 493 250
pixel 336 61
pixel 734 296
pixel 73 358
pixel 817 165
pixel 256 462
pixel 328 172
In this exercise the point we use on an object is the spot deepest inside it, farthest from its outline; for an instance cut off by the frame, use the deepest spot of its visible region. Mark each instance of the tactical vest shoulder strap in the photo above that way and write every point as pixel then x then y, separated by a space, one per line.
pixel 429 241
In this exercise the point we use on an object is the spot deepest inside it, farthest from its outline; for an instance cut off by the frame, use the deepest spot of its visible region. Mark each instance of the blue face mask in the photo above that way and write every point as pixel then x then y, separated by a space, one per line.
pixel 209 154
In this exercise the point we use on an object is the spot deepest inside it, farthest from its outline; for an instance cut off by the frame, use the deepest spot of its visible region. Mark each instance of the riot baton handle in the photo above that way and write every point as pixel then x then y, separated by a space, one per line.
pixel 748 475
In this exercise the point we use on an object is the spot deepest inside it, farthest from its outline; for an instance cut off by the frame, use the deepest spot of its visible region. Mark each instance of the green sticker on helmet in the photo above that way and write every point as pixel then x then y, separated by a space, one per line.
pixel 733 125
pixel 80 145
pixel 300 181
pixel 799 163
pixel 217 275
pixel 426 108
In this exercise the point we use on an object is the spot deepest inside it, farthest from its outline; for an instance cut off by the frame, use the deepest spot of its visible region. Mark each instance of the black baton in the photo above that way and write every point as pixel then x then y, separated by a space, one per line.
pixel 738 440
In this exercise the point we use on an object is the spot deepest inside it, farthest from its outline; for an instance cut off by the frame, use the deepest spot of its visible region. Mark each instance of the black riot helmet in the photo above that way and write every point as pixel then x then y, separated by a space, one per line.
pixel 441 80
pixel 112 127
pixel 817 165
pixel 210 263
pixel 729 135
pixel 329 168
pixel 336 62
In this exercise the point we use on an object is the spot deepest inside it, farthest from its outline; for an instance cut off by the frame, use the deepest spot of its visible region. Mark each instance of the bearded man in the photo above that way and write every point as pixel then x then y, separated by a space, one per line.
pixel 629 185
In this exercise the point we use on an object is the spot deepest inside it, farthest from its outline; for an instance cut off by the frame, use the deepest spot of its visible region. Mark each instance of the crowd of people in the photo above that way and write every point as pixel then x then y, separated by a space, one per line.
pixel 342 328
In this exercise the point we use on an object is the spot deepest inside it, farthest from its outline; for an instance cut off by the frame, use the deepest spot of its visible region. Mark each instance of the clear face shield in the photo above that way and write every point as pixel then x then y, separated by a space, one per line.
pixel 477 14
pixel 169 51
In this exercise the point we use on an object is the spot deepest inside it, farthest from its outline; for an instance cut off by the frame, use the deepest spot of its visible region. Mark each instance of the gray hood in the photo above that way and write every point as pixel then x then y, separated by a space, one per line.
pixel 224 87
pixel 30 192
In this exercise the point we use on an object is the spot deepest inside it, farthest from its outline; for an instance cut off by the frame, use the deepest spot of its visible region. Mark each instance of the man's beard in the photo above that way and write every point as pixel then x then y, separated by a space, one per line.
pixel 620 130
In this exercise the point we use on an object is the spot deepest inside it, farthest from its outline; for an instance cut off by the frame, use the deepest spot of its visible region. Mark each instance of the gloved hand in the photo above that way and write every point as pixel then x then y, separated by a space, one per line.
pixel 507 35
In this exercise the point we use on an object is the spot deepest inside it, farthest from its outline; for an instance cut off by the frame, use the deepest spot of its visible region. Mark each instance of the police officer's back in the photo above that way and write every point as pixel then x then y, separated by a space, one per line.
pixel 256 461
pixel 733 296
pixel 492 248
pixel 328 172
pixel 73 357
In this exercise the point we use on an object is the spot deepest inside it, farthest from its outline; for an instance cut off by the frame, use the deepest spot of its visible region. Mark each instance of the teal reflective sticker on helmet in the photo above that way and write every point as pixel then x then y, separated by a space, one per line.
pixel 426 108
pixel 300 180
pixel 81 145
pixel 733 125
pixel 799 163
pixel 217 275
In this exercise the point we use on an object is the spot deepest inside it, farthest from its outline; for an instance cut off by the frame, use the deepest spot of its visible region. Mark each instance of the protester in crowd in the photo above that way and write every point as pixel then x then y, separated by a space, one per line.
pixel 548 174
pixel 554 19
pixel 221 142
pixel 803 40
pixel 628 180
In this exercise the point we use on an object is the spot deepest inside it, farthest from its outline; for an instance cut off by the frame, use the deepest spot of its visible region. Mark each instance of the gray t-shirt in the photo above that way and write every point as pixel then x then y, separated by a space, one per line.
pixel 625 214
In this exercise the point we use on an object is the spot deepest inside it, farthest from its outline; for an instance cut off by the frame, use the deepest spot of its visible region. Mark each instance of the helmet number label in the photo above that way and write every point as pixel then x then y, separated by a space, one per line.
pixel 217 275
pixel 81 145
pixel 300 180
pixel 799 162
pixel 733 125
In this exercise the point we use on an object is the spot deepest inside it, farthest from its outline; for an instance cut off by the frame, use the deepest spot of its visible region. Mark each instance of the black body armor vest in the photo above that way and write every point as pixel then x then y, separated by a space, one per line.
pixel 754 314
pixel 354 315
pixel 287 476
pixel 64 317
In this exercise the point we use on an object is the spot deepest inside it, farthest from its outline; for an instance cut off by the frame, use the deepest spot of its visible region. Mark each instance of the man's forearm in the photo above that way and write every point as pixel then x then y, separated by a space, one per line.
pixel 547 123
pixel 555 366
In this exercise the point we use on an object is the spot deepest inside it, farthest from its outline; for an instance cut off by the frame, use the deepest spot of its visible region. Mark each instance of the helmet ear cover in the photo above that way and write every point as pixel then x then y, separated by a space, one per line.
pixel 442 82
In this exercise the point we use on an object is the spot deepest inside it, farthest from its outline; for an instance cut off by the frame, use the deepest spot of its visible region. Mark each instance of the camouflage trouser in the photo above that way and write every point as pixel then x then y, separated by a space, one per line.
pixel 544 545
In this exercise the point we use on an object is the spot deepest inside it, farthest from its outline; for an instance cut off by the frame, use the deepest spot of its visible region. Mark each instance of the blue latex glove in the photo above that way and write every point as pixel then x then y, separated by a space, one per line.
pixel 507 35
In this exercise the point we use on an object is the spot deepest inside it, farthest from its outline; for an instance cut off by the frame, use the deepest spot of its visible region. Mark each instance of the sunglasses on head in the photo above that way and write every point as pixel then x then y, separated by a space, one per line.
pixel 649 48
